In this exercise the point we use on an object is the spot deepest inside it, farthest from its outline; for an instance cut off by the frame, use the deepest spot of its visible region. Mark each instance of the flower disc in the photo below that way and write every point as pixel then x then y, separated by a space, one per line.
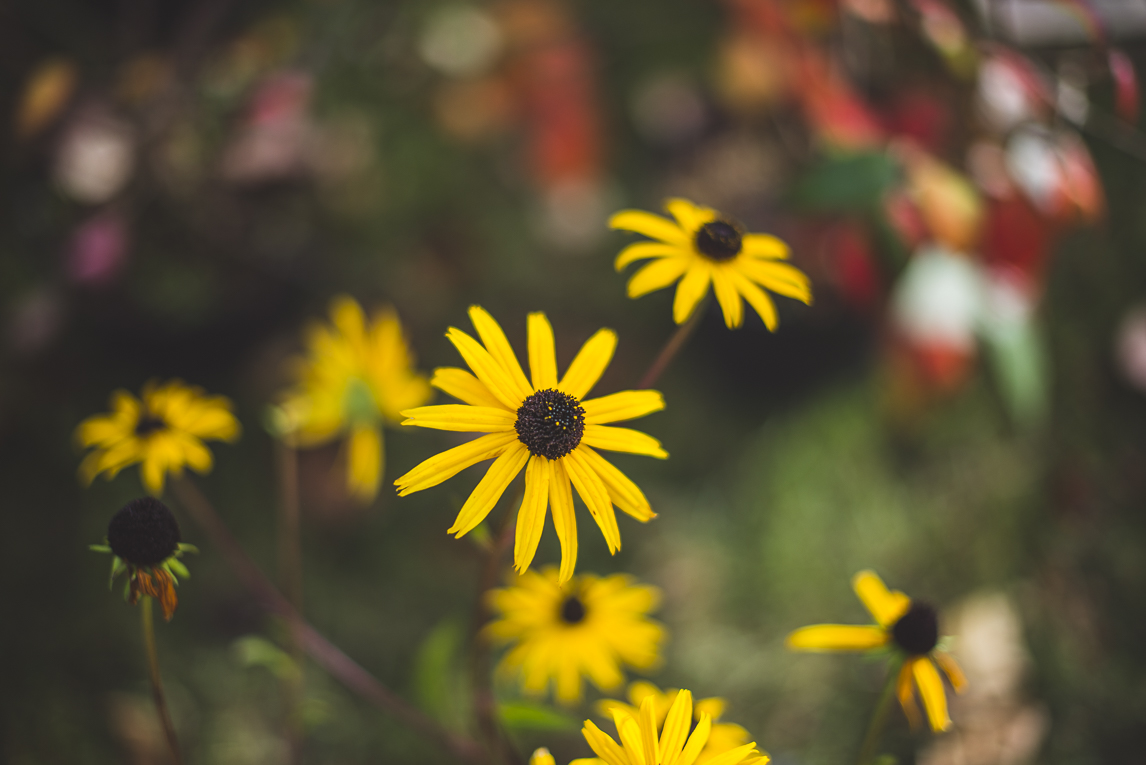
pixel 917 631
pixel 550 423
pixel 144 532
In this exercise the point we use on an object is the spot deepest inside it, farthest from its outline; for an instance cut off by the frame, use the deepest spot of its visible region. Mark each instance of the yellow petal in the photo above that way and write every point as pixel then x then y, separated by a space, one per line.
pixel 564 521
pixel 696 742
pixel 644 250
pixel 364 462
pixel 531 516
pixel 491 373
pixel 622 491
pixel 690 217
pixel 461 418
pixel 728 297
pixel 780 278
pixel 542 356
pixel 758 299
pixel 676 726
pixel 652 226
pixel 732 756
pixel 657 275
pixel 932 693
pixel 630 732
pixel 464 386
pixel 153 472
pixel 952 669
pixel 603 745
pixel 691 289
pixel 589 364
pixel 542 757
pixel 595 496
pixel 906 693
pixel 617 439
pixel 449 463
pixel 626 405
pixel 498 346
pixel 884 605
pixel 646 720
pixel 836 637
pixel 489 489
pixel 764 246
pixel 713 706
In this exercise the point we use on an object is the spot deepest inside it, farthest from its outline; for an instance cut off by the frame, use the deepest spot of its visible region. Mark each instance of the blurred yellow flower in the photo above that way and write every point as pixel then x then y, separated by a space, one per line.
pixel 640 744
pixel 541 424
pixel 723 737
pixel 587 627
pixel 541 756
pixel 353 378
pixel 701 247
pixel 164 431
pixel 910 627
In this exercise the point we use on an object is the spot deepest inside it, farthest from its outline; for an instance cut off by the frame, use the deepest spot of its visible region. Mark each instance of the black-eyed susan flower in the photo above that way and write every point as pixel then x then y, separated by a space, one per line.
pixel 145 540
pixel 723 737
pixel 354 378
pixel 908 627
pixel 163 430
pixel 641 745
pixel 700 247
pixel 586 627
pixel 542 424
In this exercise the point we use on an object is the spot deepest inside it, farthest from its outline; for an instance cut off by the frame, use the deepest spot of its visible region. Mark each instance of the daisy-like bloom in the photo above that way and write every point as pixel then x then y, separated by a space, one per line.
pixel 909 627
pixel 145 540
pixel 587 627
pixel 701 247
pixel 723 737
pixel 163 430
pixel 543 425
pixel 641 745
pixel 354 378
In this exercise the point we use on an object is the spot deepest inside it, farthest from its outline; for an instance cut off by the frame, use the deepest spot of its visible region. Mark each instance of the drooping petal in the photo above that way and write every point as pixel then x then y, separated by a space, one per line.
pixel 463 386
pixel 564 521
pixel 489 489
pixel 931 691
pixel 498 346
pixel 542 355
pixel 764 246
pixel 612 438
pixel 461 418
pixel 645 250
pixel 626 405
pixel 652 226
pixel 691 289
pixel 589 364
pixel 758 299
pixel 952 669
pixel 884 605
pixel 657 275
pixel 449 463
pixel 491 373
pixel 837 637
pixel 364 462
pixel 622 491
pixel 531 516
pixel 729 299
pixel 595 496
pixel 780 278
pixel 905 692
pixel 690 217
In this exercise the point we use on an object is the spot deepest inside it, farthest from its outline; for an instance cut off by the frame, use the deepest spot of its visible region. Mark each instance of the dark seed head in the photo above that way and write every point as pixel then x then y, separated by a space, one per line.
pixel 144 532
pixel 550 423
pixel 572 610
pixel 917 631
pixel 718 240
pixel 148 424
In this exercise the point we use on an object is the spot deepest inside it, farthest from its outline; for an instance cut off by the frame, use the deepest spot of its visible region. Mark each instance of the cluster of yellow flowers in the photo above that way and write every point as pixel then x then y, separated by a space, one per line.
pixel 358 376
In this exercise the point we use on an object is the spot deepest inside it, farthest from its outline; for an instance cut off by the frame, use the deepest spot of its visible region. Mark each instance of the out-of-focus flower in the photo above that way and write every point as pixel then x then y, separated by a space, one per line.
pixel 46 92
pixel 353 379
pixel 676 744
pixel 96 157
pixel 938 299
pixel 461 40
pixel 753 73
pixel 1055 171
pixel 275 139
pixel 724 737
pixel 700 247
pixel 145 540
pixel 541 756
pixel 543 425
pixel 951 207
pixel 1010 91
pixel 98 248
pixel 911 628
pixel 587 627
pixel 163 430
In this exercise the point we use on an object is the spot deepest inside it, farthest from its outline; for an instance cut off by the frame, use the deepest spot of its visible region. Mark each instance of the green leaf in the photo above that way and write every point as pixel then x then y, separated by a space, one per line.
pixel 99 548
pixel 256 651
pixel 177 568
pixel 530 715
pixel 851 183
pixel 439 683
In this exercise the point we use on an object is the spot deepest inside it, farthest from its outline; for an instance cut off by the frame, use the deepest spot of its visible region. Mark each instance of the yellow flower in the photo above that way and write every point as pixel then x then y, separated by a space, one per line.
pixel 542 756
pixel 587 627
pixel 353 378
pixel 164 431
pixel 910 627
pixel 722 738
pixel 702 247
pixel 640 744
pixel 541 424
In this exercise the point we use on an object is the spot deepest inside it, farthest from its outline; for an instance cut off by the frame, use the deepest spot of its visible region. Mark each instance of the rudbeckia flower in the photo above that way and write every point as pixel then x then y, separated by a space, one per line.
pixel 541 424
pixel 908 627
pixel 354 378
pixel 723 737
pixel 587 627
pixel 164 430
pixel 701 247
pixel 641 744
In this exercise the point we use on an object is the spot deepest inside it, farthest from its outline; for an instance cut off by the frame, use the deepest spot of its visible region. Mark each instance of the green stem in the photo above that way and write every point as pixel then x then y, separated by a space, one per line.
pixel 290 576
pixel 157 680
pixel 879 717
pixel 672 347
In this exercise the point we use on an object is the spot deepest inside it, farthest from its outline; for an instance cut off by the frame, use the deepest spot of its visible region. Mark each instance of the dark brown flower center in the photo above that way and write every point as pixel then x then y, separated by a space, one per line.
pixel 572 610
pixel 718 240
pixel 148 424
pixel 550 423
pixel 144 532
pixel 917 631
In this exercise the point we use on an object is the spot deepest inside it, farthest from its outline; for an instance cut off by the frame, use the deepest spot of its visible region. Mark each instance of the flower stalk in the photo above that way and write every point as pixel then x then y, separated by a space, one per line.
pixel 875 728
pixel 148 623
pixel 290 576
pixel 671 348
